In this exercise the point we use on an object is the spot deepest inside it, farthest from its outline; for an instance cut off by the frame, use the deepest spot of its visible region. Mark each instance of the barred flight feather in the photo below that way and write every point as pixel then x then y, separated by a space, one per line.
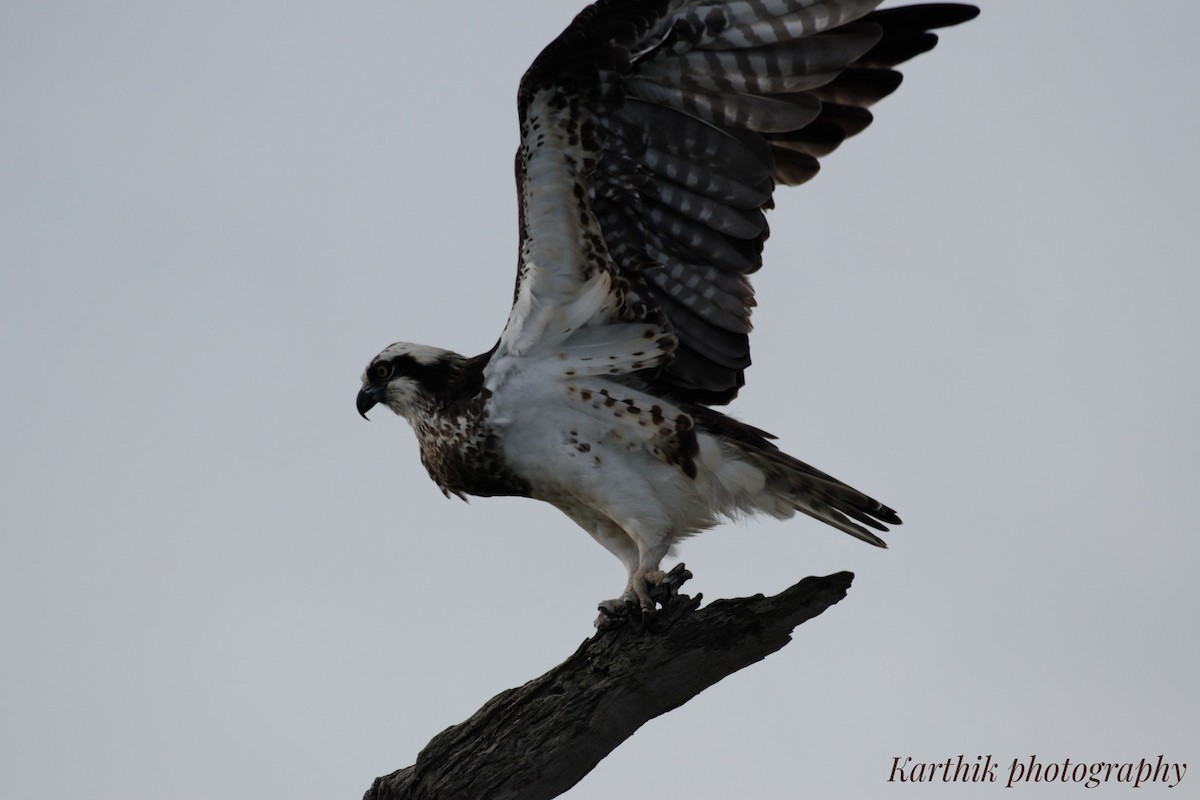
pixel 699 178
pixel 749 112
pixel 675 133
pixel 682 237
pixel 753 23
pixel 857 86
pixel 777 69
pixel 738 223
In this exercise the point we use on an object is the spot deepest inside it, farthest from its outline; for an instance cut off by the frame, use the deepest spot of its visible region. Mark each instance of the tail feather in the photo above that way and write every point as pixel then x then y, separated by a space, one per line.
pixel 801 486
pixel 831 516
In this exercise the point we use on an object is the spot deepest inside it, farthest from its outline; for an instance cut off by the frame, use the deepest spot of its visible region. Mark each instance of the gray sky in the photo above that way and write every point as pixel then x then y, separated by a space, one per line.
pixel 216 581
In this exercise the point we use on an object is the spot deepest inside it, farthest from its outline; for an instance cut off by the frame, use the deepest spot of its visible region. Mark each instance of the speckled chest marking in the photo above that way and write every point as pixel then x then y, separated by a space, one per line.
pixel 461 452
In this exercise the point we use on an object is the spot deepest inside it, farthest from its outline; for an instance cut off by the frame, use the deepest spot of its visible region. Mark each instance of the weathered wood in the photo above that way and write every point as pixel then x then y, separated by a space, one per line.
pixel 536 741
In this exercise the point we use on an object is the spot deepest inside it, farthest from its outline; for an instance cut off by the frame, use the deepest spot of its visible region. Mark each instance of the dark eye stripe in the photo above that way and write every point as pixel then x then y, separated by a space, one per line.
pixel 435 377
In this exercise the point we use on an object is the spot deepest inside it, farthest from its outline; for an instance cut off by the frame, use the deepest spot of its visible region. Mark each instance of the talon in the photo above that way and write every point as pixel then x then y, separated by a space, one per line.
pixel 646 594
pixel 613 614
pixel 604 622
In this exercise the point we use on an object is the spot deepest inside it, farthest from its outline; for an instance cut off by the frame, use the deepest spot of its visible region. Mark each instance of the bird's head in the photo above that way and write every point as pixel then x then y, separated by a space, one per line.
pixel 410 379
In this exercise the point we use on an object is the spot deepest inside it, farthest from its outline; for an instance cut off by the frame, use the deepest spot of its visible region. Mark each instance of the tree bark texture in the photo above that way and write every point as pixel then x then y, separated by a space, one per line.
pixel 536 741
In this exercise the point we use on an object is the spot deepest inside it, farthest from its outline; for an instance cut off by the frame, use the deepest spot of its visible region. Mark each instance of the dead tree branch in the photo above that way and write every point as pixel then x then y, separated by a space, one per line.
pixel 536 741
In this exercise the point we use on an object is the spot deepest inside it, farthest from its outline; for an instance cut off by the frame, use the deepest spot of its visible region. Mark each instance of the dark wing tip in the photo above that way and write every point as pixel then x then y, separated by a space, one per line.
pixel 925 16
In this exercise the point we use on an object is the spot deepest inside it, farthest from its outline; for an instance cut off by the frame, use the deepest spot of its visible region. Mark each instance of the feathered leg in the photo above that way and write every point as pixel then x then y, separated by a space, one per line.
pixel 638 548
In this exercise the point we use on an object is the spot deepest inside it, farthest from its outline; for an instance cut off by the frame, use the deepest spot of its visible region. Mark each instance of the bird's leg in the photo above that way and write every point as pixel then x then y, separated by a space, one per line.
pixel 645 581
pixel 660 588
pixel 640 583
pixel 616 612
pixel 634 602
pixel 648 576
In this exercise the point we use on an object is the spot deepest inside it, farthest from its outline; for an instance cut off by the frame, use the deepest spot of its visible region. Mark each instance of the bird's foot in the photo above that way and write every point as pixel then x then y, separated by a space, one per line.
pixel 617 612
pixel 647 591
pixel 667 586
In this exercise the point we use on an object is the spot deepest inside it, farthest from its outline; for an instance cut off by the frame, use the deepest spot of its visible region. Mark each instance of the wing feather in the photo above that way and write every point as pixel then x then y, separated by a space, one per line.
pixel 753 23
pixel 653 133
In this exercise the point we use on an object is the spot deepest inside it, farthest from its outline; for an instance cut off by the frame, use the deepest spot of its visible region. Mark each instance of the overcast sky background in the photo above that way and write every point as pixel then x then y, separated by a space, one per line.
pixel 216 581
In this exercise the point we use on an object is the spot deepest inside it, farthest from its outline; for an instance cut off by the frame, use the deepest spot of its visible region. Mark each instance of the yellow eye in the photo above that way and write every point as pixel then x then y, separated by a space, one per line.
pixel 383 371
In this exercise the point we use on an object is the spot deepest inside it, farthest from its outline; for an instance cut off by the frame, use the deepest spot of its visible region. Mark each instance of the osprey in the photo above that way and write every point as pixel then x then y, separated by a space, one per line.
pixel 653 133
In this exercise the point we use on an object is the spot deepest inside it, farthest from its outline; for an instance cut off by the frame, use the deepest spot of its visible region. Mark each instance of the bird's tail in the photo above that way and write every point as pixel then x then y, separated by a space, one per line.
pixel 790 485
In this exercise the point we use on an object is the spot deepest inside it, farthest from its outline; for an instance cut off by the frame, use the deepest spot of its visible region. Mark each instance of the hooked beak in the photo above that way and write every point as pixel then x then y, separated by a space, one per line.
pixel 368 397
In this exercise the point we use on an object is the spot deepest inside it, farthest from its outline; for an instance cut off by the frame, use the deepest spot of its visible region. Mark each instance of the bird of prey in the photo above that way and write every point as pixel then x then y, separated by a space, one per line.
pixel 653 134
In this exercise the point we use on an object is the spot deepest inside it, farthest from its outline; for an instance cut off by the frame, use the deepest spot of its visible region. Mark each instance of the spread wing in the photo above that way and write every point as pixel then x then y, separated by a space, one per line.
pixel 653 134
